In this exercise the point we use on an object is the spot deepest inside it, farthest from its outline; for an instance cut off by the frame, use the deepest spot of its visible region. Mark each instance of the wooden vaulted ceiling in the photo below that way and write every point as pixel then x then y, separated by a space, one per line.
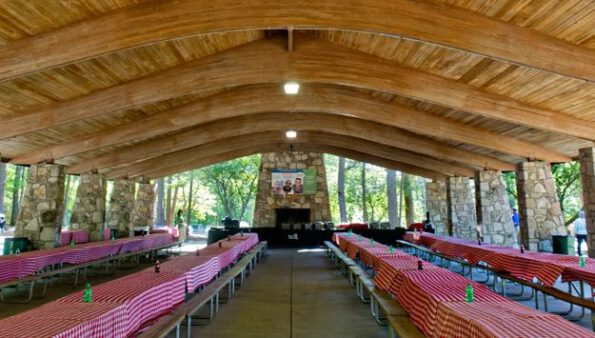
pixel 434 88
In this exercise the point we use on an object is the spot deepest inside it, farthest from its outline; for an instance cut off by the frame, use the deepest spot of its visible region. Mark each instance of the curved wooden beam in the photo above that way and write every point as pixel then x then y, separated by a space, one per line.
pixel 244 125
pixel 248 100
pixel 323 139
pixel 227 149
pixel 429 21
pixel 314 61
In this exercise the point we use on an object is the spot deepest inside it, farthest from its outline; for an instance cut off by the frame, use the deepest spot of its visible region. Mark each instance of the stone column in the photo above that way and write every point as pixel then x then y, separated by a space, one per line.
pixel 121 206
pixel 587 161
pixel 437 205
pixel 461 200
pixel 539 208
pixel 88 212
pixel 493 209
pixel 41 211
pixel 143 206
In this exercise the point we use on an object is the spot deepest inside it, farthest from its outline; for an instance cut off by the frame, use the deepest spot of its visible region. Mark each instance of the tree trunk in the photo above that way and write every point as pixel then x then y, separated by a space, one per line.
pixel 65 202
pixel 173 204
pixel 364 204
pixel 391 190
pixel 408 192
pixel 168 211
pixel 341 190
pixel 160 219
pixel 401 192
pixel 190 204
pixel 2 187
pixel 16 186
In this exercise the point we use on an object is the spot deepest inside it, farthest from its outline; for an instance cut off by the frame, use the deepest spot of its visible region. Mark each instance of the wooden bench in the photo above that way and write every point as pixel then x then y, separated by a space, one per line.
pixel 402 327
pixel 46 277
pixel 208 295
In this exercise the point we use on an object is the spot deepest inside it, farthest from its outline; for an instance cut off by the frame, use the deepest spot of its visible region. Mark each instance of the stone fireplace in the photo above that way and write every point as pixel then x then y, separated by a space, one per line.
pixel 285 217
pixel 267 204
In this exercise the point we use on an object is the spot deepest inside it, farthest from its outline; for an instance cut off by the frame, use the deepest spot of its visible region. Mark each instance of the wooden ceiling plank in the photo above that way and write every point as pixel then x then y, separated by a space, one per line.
pixel 244 125
pixel 315 61
pixel 249 100
pixel 429 21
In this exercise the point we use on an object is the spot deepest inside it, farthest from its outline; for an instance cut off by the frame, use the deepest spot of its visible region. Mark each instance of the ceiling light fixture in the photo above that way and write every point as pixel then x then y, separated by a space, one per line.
pixel 291 88
pixel 291 134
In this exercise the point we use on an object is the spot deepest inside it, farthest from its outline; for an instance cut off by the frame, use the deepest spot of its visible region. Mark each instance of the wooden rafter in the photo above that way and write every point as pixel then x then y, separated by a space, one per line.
pixel 321 139
pixel 315 61
pixel 198 159
pixel 244 125
pixel 430 21
pixel 249 100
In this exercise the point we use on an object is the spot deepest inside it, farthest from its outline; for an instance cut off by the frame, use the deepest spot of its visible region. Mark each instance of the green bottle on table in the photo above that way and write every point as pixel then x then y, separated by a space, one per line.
pixel 581 261
pixel 469 293
pixel 72 244
pixel 87 294
pixel 391 250
pixel 359 237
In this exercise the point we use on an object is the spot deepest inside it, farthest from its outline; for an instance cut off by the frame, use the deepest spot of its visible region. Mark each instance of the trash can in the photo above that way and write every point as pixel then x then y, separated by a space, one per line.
pixel 113 233
pixel 12 244
pixel 560 244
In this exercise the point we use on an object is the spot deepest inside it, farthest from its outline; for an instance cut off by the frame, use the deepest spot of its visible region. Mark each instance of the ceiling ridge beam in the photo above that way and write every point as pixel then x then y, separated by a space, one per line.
pixel 315 61
pixel 428 21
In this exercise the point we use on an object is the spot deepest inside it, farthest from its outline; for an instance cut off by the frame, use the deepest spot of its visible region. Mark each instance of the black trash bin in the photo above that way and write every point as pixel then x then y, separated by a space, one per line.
pixel 11 245
pixel 560 244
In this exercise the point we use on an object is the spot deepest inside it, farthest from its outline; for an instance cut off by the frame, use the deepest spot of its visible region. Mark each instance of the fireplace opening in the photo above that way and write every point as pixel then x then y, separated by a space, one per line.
pixel 289 217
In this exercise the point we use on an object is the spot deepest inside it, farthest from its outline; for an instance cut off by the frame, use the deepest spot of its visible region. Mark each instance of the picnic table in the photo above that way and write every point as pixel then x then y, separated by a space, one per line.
pixel 125 305
pixel 435 300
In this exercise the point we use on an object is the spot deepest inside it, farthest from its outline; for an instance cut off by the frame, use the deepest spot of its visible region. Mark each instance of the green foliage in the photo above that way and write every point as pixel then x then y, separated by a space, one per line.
pixel 569 187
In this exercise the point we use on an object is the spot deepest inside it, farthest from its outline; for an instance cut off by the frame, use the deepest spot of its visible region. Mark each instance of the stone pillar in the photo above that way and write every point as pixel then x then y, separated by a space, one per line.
pixel 437 205
pixel 121 206
pixel 587 161
pixel 493 209
pixel 88 212
pixel 143 206
pixel 461 199
pixel 41 211
pixel 539 208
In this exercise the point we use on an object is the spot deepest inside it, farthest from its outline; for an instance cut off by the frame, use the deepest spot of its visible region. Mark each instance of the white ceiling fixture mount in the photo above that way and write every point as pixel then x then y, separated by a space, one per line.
pixel 291 134
pixel 291 88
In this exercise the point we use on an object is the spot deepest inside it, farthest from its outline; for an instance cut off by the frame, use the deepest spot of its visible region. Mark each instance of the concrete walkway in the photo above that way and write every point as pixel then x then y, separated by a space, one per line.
pixel 295 294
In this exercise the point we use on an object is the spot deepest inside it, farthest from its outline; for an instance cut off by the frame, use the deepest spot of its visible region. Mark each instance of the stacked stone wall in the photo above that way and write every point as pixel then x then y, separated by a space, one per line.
pixel 267 202
pixel 143 205
pixel 121 206
pixel 461 197
pixel 88 212
pixel 40 212
pixel 493 209
pixel 587 161
pixel 437 205
pixel 539 207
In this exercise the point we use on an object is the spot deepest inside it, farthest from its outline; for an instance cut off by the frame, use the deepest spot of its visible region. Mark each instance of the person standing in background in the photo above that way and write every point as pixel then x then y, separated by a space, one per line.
pixel 2 222
pixel 180 225
pixel 580 230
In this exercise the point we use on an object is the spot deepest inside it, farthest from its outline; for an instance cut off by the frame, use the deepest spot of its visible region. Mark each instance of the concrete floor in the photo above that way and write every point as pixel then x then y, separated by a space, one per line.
pixel 297 294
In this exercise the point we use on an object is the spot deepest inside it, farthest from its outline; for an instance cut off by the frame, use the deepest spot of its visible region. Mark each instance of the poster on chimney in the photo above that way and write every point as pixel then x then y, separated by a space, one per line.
pixel 287 181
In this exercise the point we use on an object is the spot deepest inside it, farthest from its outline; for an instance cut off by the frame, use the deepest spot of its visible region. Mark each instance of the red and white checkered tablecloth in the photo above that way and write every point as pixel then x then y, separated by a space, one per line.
pixel 197 270
pixel 546 267
pixel 74 320
pixel 342 239
pixel 372 255
pixel 501 319
pixel 249 240
pixel 420 292
pixel 387 277
pixel 227 253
